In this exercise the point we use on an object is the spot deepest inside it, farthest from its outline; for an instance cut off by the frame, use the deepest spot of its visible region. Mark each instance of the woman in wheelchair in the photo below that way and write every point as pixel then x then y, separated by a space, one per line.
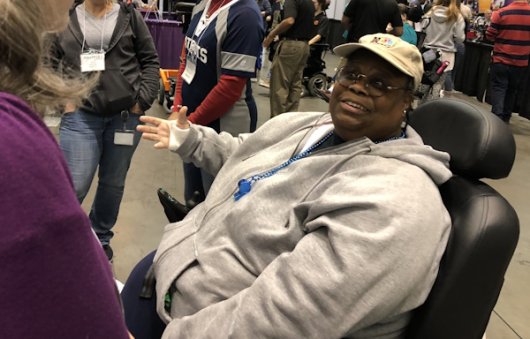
pixel 318 224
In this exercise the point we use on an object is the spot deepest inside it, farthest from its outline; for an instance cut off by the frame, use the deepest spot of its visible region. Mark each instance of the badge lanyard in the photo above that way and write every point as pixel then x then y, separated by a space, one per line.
pixel 191 57
pixel 124 136
pixel 92 61
pixel 205 19
pixel 245 185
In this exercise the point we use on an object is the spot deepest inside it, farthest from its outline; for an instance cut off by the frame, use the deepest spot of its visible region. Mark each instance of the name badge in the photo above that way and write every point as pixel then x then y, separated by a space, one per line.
pixel 124 137
pixel 92 62
pixel 190 70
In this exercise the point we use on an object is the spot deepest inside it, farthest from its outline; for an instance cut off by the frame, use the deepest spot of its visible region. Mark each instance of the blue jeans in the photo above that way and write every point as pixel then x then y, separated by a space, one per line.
pixel 505 81
pixel 87 141
pixel 459 62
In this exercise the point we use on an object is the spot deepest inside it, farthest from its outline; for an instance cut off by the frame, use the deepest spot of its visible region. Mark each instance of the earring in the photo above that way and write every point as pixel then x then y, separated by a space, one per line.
pixel 405 122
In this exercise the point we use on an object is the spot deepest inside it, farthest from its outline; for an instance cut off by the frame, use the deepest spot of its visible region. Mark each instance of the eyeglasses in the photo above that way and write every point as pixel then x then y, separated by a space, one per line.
pixel 374 87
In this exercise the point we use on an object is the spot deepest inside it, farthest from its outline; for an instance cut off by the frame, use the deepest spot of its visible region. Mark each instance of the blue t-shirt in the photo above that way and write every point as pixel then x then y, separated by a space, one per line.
pixel 409 34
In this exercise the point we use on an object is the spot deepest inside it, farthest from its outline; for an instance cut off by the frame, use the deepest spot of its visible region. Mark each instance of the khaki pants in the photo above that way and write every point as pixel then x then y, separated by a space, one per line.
pixel 286 78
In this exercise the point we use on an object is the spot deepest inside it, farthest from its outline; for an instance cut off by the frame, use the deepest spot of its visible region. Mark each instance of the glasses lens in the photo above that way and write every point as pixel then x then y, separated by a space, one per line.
pixel 346 78
pixel 375 88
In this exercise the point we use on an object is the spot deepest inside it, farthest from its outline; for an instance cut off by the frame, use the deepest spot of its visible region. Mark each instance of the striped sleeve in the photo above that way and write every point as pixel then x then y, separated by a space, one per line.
pixel 510 30
pixel 242 46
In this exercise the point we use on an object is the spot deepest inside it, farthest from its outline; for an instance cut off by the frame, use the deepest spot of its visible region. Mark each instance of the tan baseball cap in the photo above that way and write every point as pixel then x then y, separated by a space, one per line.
pixel 402 55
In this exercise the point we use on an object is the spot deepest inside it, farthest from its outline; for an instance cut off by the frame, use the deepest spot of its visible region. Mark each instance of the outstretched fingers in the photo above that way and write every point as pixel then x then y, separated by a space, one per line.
pixel 147 129
pixel 149 136
pixel 151 120
pixel 156 130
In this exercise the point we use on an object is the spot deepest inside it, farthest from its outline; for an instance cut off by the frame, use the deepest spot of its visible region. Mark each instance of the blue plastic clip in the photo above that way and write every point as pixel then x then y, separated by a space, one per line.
pixel 244 187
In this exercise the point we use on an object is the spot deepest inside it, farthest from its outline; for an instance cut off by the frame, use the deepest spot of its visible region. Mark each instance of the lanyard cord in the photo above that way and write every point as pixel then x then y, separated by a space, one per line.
pixel 84 30
pixel 206 19
pixel 245 185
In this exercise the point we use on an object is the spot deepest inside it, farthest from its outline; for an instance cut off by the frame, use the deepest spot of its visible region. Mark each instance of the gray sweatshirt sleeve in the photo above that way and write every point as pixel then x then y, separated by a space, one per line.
pixel 371 252
pixel 207 149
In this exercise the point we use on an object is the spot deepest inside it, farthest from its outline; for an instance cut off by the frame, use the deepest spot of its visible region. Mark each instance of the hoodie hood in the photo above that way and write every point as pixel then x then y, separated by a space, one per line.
pixel 412 150
pixel 440 33
pixel 439 14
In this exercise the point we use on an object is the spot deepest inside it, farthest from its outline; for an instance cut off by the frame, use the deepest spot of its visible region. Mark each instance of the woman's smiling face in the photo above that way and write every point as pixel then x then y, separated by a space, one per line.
pixel 355 113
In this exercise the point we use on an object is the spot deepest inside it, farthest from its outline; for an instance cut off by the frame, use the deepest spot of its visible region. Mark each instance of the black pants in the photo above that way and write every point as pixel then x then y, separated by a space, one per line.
pixel 505 80
pixel 140 314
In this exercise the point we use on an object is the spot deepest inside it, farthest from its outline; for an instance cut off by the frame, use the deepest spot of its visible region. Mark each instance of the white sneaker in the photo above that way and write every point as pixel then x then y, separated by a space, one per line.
pixel 264 83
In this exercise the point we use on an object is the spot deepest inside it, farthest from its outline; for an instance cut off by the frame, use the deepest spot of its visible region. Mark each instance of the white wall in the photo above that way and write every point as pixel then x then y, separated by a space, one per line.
pixel 336 8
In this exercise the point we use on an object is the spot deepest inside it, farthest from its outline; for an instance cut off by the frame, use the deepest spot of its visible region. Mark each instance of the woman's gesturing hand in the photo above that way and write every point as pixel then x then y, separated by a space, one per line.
pixel 181 117
pixel 157 130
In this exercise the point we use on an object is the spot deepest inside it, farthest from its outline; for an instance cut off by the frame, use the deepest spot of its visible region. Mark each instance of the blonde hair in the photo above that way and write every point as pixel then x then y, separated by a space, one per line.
pixel 25 69
pixel 453 8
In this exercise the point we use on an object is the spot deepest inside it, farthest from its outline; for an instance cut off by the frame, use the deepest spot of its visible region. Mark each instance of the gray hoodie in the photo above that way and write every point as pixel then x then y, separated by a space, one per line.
pixel 440 33
pixel 343 243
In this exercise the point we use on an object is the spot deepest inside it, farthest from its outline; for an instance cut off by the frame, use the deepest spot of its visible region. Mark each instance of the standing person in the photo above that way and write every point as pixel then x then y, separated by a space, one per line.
pixel 460 49
pixel 318 225
pixel 363 17
pixel 445 26
pixel 113 39
pixel 317 44
pixel 55 280
pixel 320 22
pixel 409 34
pixel 418 9
pixel 219 56
pixel 265 74
pixel 510 32
pixel 291 55
pixel 266 12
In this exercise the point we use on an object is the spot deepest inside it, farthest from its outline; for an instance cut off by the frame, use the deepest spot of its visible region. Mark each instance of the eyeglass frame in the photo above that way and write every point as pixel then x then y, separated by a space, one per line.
pixel 368 84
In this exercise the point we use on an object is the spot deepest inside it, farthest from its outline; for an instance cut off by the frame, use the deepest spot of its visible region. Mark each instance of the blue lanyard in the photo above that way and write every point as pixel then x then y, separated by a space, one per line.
pixel 245 185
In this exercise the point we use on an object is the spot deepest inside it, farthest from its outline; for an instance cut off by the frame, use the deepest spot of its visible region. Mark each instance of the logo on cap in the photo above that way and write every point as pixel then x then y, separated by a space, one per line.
pixel 383 41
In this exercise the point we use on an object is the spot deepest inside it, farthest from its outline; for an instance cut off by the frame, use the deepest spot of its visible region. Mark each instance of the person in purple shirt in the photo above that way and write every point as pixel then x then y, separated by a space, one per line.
pixel 55 280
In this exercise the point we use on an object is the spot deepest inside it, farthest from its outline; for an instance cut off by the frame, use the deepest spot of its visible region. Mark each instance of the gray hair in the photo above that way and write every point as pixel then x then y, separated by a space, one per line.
pixel 25 63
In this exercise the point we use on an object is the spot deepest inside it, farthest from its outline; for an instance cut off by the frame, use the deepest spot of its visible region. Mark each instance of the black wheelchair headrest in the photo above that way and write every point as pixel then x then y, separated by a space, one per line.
pixel 480 144
pixel 184 6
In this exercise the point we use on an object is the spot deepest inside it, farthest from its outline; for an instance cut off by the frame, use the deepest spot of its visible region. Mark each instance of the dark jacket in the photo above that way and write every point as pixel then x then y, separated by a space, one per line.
pixel 416 12
pixel 132 67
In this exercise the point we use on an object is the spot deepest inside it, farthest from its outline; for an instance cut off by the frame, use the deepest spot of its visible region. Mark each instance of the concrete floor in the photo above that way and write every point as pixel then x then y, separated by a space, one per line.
pixel 142 219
